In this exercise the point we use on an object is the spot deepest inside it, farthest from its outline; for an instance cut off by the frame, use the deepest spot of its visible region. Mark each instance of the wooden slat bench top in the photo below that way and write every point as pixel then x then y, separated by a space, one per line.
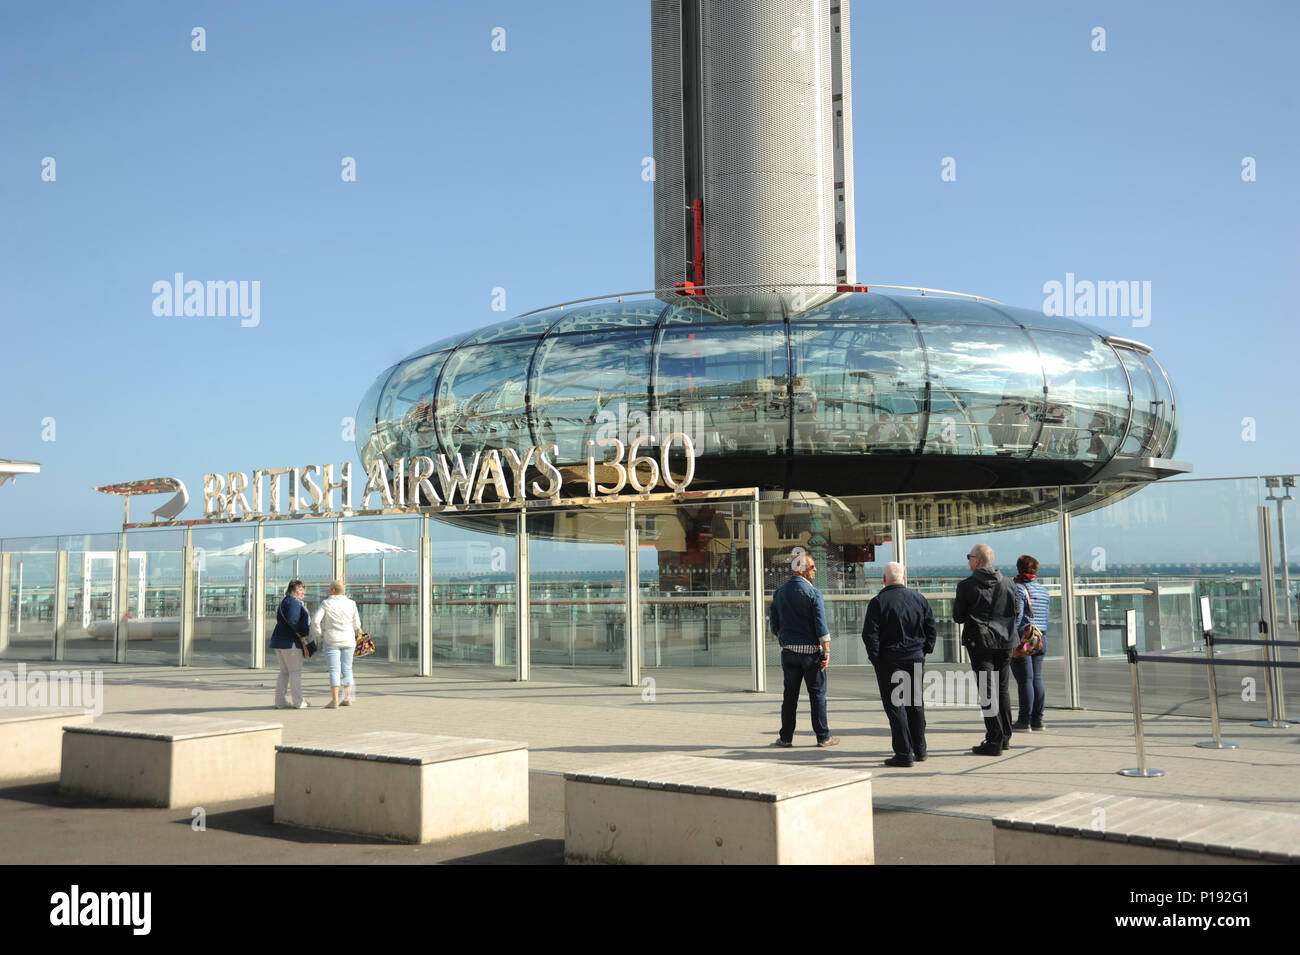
pixel 390 746
pixel 1217 829
pixel 733 778
pixel 170 727
pixel 22 714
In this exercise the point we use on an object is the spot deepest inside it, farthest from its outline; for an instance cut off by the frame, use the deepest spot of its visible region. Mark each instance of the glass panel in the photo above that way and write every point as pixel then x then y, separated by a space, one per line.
pixel 577 595
pixel 860 307
pixel 863 387
pixel 406 411
pixel 223 623
pixel 473 596
pixel 592 385
pixel 382 558
pixel 986 390
pixel 527 326
pixel 153 622
pixel 31 599
pixel 695 610
pixel 1087 397
pixel 733 381
pixel 1286 569
pixel 91 560
pixel 1166 438
pixel 942 528
pixel 481 398
pixel 1031 318
pixel 928 309
pixel 1146 410
pixel 1156 552
pixel 851 541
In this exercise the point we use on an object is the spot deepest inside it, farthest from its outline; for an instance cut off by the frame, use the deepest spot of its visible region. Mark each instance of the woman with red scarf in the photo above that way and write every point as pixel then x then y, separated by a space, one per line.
pixel 1032 605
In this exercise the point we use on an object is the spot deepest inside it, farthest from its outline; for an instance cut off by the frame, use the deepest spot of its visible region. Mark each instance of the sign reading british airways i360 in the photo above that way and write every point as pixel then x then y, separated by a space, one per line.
pixel 441 480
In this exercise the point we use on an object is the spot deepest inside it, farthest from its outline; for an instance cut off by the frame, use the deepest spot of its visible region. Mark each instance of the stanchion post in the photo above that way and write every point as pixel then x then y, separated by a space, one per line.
pixel 1130 629
pixel 1207 628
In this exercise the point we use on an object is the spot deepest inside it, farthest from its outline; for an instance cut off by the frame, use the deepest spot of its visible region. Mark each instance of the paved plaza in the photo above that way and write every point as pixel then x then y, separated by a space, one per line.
pixel 936 811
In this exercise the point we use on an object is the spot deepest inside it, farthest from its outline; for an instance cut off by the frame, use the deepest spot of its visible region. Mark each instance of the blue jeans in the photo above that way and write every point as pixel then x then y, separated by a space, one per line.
pixel 1028 672
pixel 803 668
pixel 339 658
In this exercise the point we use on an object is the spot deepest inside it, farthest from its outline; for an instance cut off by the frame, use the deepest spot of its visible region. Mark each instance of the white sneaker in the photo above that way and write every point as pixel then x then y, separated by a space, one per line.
pixel 301 706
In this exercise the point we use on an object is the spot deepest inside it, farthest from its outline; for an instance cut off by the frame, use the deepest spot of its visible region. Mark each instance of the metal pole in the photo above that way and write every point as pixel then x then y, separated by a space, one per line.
pixel 1286 573
pixel 19 627
pixel 632 628
pixel 340 553
pixel 424 612
pixel 6 568
pixel 257 599
pixel 1276 718
pixel 757 600
pixel 189 568
pixel 60 603
pixel 1069 649
pixel 1217 742
pixel 1141 770
pixel 523 625
pixel 121 596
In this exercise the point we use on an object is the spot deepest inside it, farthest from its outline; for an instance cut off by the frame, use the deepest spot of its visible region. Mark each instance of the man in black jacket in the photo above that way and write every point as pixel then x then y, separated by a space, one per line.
pixel 898 632
pixel 986 607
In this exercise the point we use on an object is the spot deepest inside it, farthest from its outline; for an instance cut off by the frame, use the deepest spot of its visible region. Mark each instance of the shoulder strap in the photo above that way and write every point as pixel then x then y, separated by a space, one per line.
pixel 1029 600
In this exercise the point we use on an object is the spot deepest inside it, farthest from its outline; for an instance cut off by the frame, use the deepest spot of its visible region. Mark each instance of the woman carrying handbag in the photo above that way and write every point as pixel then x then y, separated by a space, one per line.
pixel 292 625
pixel 337 622
pixel 1034 603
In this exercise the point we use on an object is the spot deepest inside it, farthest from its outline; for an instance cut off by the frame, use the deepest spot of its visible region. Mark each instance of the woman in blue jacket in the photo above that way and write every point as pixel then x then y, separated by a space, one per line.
pixel 292 624
pixel 1028 671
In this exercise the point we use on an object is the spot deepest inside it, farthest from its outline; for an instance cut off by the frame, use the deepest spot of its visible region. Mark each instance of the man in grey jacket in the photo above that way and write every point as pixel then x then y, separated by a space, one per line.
pixel 985 605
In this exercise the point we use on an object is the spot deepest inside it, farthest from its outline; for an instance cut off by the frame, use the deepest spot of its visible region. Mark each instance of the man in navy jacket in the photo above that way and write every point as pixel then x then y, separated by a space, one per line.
pixel 898 633
pixel 799 622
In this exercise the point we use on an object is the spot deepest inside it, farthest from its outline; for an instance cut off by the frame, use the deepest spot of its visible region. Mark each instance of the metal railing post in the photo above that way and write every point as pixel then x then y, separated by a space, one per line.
pixel 1069 650
pixel 632 627
pixel 523 625
pixel 121 595
pixel 424 612
pixel 60 603
pixel 185 636
pixel 1276 717
pixel 6 568
pixel 757 600
pixel 257 600
pixel 1217 742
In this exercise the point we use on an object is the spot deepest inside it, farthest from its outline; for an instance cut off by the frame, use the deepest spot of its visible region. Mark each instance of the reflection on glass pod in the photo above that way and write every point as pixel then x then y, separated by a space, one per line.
pixel 850 393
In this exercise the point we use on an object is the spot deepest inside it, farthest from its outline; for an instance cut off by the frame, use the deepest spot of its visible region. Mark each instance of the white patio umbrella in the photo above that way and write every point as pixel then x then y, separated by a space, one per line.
pixel 354 545
pixel 274 546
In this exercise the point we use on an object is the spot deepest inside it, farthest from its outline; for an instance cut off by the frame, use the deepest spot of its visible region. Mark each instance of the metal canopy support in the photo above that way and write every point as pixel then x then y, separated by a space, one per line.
pixel 424 594
pixel 757 601
pixel 121 594
pixel 340 555
pixel 257 600
pixel 189 565
pixel 523 624
pixel 6 568
pixel 1069 651
pixel 632 626
pixel 60 603
pixel 899 527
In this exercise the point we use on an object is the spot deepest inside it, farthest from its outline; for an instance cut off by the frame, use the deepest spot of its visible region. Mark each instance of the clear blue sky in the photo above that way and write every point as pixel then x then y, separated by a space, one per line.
pixel 522 169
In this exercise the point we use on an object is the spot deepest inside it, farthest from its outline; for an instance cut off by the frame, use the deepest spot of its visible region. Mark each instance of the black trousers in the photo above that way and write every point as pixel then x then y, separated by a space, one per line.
pixel 903 703
pixel 993 680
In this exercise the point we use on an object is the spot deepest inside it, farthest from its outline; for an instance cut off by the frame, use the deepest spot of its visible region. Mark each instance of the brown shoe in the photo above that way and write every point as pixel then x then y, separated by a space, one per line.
pixel 829 741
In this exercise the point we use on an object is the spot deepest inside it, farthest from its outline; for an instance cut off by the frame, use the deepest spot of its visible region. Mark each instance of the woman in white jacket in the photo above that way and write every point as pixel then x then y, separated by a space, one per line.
pixel 336 624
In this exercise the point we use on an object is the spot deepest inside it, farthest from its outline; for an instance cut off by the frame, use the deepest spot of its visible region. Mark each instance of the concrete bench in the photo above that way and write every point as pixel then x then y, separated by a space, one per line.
pixel 405 786
pixel 1097 829
pixel 31 739
pixel 688 810
pixel 170 760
